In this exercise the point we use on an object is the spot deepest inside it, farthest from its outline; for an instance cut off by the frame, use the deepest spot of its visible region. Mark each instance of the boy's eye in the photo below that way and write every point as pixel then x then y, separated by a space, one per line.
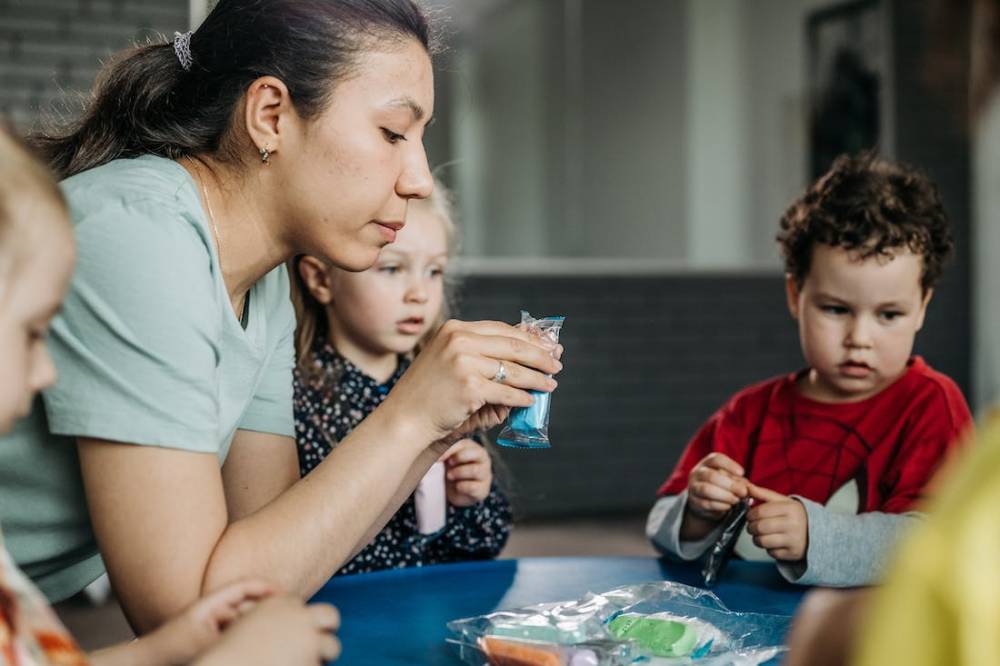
pixel 392 137
pixel 890 315
pixel 834 309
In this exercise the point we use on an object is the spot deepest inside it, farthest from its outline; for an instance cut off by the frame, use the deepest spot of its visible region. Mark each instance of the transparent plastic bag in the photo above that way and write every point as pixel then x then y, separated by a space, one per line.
pixel 710 633
pixel 528 427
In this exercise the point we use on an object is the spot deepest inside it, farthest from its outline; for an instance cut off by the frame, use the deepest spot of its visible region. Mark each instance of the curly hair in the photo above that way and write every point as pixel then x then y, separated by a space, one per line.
pixel 870 207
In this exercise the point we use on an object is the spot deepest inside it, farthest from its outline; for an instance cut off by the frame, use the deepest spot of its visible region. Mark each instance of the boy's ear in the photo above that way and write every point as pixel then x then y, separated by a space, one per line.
pixel 316 277
pixel 928 295
pixel 792 294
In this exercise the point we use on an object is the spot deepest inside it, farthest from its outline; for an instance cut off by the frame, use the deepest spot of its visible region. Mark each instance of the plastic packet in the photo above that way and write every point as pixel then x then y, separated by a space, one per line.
pixel 518 652
pixel 676 624
pixel 528 427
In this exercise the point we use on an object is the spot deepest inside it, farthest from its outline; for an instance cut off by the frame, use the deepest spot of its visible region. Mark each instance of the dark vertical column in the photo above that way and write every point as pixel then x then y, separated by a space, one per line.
pixel 932 132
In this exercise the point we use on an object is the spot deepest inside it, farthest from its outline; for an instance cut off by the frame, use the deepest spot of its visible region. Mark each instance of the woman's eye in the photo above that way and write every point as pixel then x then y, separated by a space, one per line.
pixel 392 137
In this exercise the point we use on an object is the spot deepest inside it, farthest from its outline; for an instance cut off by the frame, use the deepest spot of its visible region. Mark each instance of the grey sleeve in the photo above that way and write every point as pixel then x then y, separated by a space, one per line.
pixel 847 550
pixel 663 529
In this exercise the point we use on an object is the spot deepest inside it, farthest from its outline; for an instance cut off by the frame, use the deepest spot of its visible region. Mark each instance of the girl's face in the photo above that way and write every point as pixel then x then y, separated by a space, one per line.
pixel 385 311
pixel 36 278
pixel 350 173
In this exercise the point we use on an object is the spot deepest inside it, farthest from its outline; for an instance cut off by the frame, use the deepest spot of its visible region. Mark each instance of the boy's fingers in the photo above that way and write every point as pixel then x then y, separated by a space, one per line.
pixel 766 510
pixel 710 491
pixel 762 494
pixel 766 526
pixel 771 541
pixel 724 462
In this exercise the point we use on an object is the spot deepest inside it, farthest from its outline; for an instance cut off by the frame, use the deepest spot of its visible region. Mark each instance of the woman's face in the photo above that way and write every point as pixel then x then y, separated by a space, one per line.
pixel 352 170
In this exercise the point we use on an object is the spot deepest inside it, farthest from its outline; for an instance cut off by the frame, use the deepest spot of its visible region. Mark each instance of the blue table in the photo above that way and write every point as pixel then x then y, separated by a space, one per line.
pixel 399 616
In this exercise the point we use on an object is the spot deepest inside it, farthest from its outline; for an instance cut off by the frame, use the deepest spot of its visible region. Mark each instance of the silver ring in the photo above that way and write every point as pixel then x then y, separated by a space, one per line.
pixel 501 373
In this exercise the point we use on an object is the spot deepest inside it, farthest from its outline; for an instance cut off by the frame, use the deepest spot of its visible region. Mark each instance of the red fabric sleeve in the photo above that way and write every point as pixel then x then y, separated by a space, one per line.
pixel 942 422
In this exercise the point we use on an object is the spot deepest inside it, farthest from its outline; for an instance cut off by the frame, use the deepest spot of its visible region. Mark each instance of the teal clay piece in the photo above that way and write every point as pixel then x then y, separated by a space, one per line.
pixel 664 638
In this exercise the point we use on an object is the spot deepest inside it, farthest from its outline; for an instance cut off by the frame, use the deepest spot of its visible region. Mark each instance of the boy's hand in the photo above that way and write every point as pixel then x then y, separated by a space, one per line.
pixel 779 524
pixel 469 473
pixel 714 485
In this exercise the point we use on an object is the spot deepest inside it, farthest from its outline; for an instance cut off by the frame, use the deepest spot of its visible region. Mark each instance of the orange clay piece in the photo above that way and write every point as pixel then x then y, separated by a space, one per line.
pixel 506 653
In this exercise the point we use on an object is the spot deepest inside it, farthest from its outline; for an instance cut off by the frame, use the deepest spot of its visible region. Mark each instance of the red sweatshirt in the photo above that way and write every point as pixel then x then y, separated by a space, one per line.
pixel 891 443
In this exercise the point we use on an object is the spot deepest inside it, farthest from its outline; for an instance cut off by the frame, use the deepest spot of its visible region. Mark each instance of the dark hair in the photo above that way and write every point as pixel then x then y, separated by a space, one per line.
pixel 145 102
pixel 872 207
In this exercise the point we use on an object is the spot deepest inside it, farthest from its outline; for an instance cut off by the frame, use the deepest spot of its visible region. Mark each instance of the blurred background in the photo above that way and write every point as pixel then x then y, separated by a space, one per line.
pixel 625 163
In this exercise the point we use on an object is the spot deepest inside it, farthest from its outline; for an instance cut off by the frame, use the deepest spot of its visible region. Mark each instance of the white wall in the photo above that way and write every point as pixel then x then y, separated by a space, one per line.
pixel 986 268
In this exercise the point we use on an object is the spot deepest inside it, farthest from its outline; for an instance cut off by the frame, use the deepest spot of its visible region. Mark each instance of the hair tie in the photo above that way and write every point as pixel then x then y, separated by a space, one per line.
pixel 182 47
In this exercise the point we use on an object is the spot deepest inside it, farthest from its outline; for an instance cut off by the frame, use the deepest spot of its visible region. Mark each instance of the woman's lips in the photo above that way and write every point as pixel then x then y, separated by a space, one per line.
pixel 389 229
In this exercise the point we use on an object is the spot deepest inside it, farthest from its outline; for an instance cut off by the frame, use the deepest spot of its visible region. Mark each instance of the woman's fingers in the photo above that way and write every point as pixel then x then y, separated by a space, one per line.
pixel 517 375
pixel 507 348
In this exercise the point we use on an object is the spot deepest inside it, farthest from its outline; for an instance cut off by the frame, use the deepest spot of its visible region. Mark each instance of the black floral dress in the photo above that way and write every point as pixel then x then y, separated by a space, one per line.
pixel 331 398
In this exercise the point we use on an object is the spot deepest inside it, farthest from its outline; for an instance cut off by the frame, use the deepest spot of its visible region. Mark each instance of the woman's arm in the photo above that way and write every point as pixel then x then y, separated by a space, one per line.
pixel 161 515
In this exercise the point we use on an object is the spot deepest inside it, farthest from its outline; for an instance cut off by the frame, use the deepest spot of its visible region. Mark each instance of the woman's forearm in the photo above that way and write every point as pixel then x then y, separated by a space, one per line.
pixel 302 538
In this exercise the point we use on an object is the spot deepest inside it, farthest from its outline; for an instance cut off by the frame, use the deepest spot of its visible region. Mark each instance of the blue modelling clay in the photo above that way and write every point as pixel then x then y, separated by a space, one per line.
pixel 528 427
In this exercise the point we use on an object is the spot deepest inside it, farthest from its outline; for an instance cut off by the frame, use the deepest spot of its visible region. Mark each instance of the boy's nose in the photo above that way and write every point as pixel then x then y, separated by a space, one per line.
pixel 859 334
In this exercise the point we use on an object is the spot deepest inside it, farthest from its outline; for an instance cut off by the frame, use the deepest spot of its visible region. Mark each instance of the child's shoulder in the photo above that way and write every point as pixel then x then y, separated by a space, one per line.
pixel 924 386
pixel 757 396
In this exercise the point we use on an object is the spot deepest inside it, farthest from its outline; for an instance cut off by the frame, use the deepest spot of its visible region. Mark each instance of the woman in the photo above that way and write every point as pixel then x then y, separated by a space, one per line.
pixel 277 128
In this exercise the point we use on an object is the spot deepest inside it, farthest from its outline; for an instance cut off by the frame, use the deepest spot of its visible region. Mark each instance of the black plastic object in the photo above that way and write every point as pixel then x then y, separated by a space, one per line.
pixel 719 556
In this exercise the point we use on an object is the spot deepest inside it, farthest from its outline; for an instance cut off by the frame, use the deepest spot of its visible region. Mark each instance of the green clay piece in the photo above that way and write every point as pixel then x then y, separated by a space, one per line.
pixel 664 638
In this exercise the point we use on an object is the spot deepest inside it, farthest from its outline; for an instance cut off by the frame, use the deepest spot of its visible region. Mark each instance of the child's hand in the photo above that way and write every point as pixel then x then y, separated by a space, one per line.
pixel 469 473
pixel 779 524
pixel 714 485
pixel 201 624
pixel 279 630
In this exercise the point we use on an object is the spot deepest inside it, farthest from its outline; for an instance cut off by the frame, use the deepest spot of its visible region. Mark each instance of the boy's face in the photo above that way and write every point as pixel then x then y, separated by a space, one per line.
pixel 857 320
pixel 31 292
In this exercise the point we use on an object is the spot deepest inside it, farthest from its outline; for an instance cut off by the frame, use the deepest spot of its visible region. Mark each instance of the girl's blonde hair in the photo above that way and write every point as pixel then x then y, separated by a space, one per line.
pixel 21 176
pixel 310 314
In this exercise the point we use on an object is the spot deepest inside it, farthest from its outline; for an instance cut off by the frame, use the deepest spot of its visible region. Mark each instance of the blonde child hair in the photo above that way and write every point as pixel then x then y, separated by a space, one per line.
pixel 24 181
pixel 311 315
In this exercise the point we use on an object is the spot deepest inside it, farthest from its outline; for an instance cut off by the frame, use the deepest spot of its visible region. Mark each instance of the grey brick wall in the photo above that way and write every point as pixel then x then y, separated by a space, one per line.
pixel 51 50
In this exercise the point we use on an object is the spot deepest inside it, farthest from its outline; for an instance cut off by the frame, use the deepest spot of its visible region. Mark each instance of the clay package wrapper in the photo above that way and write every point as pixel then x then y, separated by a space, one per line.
pixel 652 624
pixel 528 427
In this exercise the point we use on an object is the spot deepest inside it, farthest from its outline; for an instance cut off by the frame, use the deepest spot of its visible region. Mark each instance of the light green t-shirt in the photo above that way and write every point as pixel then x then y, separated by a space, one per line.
pixel 149 352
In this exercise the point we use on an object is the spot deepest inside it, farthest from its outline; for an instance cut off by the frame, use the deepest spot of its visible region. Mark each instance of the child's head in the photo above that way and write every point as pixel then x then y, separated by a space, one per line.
pixel 863 249
pixel 36 263
pixel 392 307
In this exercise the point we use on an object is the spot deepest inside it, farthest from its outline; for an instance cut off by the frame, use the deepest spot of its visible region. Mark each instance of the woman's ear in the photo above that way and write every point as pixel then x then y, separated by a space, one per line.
pixel 316 277
pixel 792 294
pixel 268 115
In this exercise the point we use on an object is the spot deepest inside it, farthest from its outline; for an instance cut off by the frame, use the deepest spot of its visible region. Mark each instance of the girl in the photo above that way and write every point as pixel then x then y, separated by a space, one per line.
pixel 36 261
pixel 199 168
pixel 357 335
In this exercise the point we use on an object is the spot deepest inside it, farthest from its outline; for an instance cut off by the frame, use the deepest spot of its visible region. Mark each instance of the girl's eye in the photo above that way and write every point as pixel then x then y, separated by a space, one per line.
pixel 389 270
pixel 392 137
pixel 436 272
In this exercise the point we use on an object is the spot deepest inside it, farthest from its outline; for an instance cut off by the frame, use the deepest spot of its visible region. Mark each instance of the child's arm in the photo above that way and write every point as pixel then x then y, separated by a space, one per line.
pixel 816 546
pixel 687 524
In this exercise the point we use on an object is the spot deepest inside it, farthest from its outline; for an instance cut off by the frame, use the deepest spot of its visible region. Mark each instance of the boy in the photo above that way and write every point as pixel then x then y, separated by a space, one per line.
pixel 833 458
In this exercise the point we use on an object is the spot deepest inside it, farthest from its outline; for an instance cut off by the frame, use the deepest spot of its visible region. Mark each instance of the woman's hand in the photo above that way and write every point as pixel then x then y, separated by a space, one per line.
pixel 280 630
pixel 450 391
pixel 468 475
